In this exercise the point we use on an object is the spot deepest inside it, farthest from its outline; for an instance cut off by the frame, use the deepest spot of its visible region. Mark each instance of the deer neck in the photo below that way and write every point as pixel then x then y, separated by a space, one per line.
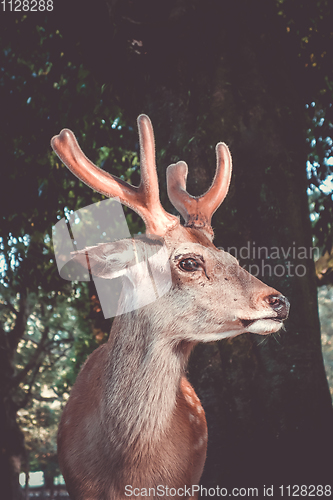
pixel 142 380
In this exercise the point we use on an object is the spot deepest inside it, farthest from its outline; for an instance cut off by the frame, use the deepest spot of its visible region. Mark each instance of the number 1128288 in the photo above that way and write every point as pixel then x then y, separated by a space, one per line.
pixel 27 5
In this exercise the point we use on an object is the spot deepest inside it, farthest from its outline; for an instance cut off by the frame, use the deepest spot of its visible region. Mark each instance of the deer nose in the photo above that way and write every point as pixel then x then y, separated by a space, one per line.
pixel 280 305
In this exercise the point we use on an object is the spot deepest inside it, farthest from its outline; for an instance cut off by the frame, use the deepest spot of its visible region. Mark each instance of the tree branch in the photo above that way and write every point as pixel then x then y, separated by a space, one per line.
pixel 10 306
pixel 27 394
pixel 33 360
pixel 23 403
pixel 21 321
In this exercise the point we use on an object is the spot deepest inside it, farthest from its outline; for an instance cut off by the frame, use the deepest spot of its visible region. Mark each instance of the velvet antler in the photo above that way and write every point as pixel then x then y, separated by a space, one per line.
pixel 143 199
pixel 197 211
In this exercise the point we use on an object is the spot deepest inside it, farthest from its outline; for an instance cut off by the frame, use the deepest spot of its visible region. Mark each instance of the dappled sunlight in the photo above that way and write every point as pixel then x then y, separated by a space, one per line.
pixel 325 305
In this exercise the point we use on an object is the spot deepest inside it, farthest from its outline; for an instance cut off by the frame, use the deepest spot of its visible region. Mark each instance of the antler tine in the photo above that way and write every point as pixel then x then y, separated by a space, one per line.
pixel 149 180
pixel 157 220
pixel 143 199
pixel 197 211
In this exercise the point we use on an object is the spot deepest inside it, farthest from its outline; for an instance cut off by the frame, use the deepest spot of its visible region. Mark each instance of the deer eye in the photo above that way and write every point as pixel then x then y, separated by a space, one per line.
pixel 189 265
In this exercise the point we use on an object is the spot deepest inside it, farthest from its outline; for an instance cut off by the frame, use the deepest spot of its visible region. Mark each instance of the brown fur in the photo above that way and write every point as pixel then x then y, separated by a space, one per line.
pixel 133 418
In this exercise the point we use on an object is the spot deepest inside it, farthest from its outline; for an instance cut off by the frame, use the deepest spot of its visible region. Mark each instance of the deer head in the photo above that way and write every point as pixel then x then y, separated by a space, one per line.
pixel 217 297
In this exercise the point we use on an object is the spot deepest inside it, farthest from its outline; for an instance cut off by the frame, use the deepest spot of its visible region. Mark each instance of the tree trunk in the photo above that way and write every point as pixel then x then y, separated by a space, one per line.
pixel 49 482
pixel 12 449
pixel 12 452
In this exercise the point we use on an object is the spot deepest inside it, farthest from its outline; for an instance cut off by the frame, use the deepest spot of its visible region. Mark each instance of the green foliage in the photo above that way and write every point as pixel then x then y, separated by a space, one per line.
pixel 39 421
pixel 46 322
pixel 309 29
pixel 320 169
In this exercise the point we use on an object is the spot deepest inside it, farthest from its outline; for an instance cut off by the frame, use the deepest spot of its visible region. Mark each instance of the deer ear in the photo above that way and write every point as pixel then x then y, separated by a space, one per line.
pixel 142 262
pixel 107 260
pixel 111 260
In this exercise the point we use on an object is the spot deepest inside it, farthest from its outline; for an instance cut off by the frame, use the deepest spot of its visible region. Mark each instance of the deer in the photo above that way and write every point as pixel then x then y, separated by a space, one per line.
pixel 133 426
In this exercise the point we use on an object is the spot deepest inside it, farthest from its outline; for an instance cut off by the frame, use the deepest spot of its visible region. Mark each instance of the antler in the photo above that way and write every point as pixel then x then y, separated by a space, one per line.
pixel 197 211
pixel 143 199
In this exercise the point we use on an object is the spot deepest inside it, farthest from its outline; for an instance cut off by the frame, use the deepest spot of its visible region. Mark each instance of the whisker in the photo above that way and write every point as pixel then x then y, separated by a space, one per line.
pixel 275 337
pixel 265 339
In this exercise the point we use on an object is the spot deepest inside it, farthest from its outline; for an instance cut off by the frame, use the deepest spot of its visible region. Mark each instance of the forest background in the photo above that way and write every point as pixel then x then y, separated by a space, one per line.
pixel 254 74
